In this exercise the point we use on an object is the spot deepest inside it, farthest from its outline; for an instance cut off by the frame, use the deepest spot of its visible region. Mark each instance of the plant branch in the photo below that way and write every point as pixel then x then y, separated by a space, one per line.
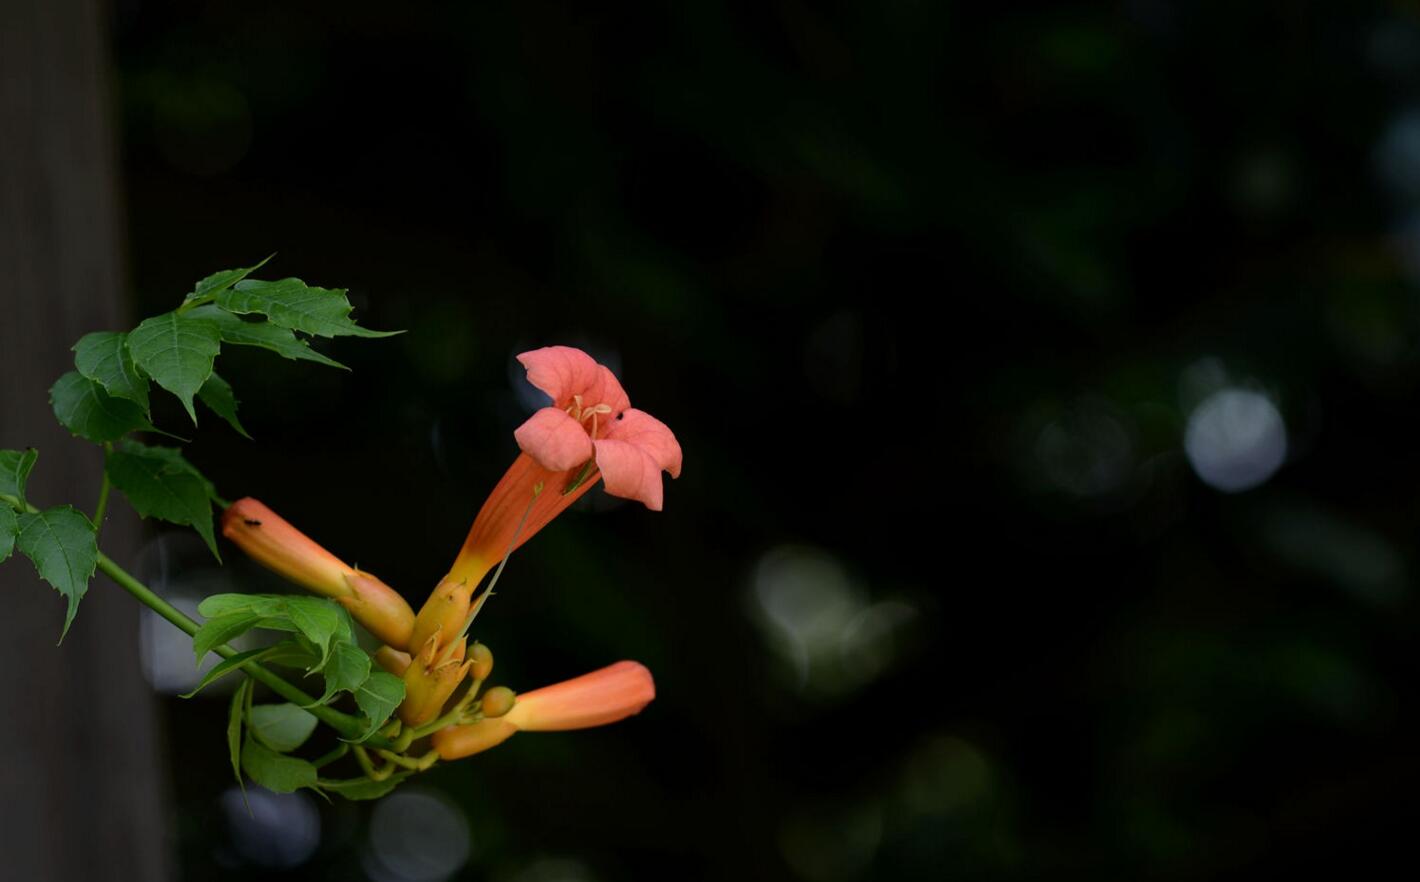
pixel 346 725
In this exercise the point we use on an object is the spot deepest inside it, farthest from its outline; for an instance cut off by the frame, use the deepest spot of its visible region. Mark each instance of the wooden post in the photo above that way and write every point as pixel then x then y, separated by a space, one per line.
pixel 82 794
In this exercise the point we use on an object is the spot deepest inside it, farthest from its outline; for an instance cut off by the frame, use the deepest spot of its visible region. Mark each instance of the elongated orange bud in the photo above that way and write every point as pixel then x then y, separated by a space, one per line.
pixel 613 693
pixel 271 541
pixel 379 608
pixel 392 660
pixel 457 742
pixel 443 614
pixel 605 696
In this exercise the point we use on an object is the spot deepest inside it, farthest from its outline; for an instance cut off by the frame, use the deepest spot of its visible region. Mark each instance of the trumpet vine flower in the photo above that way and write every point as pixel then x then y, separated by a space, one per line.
pixel 271 541
pixel 596 699
pixel 588 432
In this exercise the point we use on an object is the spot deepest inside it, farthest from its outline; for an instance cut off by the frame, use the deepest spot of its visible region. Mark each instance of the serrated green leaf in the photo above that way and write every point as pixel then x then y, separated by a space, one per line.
pixel 316 618
pixel 177 351
pixel 377 697
pixel 223 604
pixel 363 788
pixel 15 466
pixel 264 334
pixel 85 409
pixel 220 281
pixel 274 771
pixel 217 394
pixel 281 727
pixel 170 455
pixel 225 667
pixel 61 543
pixel 9 527
pixel 222 629
pixel 291 303
pixel 158 488
pixel 235 712
pixel 104 358
pixel 348 667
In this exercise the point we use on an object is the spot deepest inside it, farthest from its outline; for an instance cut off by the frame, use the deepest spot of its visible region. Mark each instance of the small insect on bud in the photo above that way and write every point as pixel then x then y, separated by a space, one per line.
pixel 498 701
pixel 482 658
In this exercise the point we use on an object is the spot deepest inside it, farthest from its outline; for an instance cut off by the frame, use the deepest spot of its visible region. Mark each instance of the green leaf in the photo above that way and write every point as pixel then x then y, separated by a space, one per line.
pixel 264 334
pixel 86 410
pixel 170 455
pixel 222 629
pixel 15 468
pixel 364 788
pixel 316 618
pixel 9 526
pixel 177 351
pixel 226 666
pixel 377 697
pixel 222 604
pixel 323 622
pixel 292 654
pixel 274 771
pixel 217 394
pixel 281 727
pixel 61 543
pixel 291 303
pixel 104 358
pixel 160 488
pixel 348 667
pixel 220 281
pixel 235 713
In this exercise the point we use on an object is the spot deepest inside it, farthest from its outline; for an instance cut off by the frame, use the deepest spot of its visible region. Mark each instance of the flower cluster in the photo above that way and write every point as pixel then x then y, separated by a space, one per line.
pixel 587 433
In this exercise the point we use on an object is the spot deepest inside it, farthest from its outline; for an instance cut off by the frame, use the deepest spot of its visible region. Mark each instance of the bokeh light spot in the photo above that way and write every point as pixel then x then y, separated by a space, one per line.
pixel 416 836
pixel 1235 439
pixel 277 831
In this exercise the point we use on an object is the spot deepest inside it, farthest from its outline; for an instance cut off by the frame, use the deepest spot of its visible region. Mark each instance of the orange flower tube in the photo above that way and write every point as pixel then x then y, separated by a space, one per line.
pixel 271 541
pixel 596 699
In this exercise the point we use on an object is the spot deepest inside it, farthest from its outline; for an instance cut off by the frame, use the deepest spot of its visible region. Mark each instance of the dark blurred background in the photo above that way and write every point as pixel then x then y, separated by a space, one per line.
pixel 1046 378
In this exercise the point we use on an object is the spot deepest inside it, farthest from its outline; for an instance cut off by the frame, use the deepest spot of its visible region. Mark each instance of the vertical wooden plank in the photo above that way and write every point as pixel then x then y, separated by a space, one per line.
pixel 81 788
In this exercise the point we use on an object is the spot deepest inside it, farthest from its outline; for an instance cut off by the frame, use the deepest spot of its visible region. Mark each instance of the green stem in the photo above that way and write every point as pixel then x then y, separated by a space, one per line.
pixel 346 725
pixel 331 757
pixel 104 489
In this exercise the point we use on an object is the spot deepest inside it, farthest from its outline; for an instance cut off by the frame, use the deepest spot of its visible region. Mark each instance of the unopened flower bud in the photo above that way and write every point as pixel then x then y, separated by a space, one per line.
pixel 457 742
pixel 271 541
pixel 605 696
pixel 498 701
pixel 378 607
pixel 392 660
pixel 482 658
pixel 443 613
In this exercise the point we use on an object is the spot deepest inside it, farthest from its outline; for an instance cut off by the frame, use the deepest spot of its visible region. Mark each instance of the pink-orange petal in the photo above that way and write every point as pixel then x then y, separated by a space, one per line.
pixel 629 472
pixel 651 435
pixel 607 390
pixel 561 372
pixel 554 439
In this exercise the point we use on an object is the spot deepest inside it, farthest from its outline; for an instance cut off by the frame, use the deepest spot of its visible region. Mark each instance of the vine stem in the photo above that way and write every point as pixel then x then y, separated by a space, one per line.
pixel 346 725
pixel 104 489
